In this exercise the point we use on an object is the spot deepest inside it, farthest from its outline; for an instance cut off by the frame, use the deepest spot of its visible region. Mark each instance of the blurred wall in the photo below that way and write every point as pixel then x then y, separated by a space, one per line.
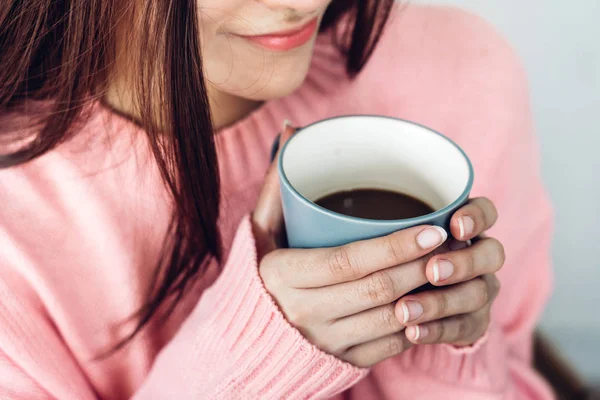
pixel 559 42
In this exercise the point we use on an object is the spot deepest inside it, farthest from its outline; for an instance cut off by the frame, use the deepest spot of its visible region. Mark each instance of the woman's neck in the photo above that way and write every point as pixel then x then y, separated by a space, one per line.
pixel 227 109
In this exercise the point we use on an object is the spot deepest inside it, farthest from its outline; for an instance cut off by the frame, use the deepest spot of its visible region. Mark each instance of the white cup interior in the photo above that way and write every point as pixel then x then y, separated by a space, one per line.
pixel 370 152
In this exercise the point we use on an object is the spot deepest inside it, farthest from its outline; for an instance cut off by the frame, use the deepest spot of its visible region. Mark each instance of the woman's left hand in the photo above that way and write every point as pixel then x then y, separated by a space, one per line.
pixel 471 272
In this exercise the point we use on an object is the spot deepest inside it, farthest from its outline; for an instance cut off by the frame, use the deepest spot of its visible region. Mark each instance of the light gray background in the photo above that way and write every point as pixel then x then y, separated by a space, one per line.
pixel 559 42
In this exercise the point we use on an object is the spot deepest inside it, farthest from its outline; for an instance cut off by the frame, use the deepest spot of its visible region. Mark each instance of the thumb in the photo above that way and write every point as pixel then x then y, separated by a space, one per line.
pixel 267 217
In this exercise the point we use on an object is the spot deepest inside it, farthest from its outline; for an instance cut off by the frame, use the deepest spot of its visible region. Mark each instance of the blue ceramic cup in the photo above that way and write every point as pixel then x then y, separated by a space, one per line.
pixel 367 152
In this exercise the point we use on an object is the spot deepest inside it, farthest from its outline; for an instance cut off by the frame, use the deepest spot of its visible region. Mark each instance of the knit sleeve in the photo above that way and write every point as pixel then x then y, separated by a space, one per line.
pixel 237 344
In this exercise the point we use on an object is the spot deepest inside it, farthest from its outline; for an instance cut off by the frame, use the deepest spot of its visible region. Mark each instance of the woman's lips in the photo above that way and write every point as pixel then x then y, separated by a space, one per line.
pixel 285 41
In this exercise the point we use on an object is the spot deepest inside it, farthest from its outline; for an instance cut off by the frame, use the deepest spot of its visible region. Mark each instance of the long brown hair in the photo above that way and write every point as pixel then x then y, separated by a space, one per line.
pixel 61 51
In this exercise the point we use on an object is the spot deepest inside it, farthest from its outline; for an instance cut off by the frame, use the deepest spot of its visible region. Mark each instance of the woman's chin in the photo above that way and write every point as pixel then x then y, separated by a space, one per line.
pixel 275 88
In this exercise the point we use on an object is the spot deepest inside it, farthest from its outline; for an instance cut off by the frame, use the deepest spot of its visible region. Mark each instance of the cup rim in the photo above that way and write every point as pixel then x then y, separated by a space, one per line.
pixel 413 221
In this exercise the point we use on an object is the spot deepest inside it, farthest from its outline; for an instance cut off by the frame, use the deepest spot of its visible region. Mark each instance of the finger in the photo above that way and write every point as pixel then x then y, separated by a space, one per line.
pixel 493 284
pixel 325 267
pixel 268 213
pixel 350 298
pixel 378 289
pixel 373 352
pixel 461 330
pixel 476 217
pixel 484 257
pixel 267 217
pixel 366 326
pixel 433 305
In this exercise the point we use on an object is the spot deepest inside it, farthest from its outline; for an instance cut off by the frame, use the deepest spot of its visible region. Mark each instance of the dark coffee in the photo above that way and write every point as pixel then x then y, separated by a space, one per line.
pixel 375 204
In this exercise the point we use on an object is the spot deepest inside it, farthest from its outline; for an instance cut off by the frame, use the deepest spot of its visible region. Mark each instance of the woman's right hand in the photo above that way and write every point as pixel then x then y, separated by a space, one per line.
pixel 343 299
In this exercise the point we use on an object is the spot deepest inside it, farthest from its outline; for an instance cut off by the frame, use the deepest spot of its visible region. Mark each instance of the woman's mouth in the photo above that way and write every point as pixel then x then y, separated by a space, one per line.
pixel 288 40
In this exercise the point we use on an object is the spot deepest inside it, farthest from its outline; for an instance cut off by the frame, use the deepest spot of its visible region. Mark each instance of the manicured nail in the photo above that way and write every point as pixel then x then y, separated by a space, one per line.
pixel 411 310
pixel 466 225
pixel 286 124
pixel 417 332
pixel 431 237
pixel 442 270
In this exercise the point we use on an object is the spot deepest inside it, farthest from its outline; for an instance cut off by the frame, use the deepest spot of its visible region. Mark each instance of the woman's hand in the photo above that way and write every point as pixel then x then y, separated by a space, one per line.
pixel 470 271
pixel 344 299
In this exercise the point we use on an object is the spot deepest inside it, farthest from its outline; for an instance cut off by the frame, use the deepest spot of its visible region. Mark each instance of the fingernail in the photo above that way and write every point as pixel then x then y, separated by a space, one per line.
pixel 431 237
pixel 411 310
pixel 417 332
pixel 466 225
pixel 442 270
pixel 286 124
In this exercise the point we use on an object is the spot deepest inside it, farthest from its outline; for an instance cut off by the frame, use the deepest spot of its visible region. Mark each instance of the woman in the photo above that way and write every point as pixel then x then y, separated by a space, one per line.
pixel 135 138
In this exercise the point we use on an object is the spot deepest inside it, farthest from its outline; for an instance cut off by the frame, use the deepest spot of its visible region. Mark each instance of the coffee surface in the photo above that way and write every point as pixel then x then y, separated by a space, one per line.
pixel 375 204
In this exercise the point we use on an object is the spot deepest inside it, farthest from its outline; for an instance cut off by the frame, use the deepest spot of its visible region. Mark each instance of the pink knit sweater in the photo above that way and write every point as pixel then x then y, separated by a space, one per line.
pixel 81 227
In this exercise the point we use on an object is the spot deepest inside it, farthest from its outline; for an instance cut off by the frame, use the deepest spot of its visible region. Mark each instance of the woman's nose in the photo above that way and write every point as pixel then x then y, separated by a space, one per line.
pixel 301 6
